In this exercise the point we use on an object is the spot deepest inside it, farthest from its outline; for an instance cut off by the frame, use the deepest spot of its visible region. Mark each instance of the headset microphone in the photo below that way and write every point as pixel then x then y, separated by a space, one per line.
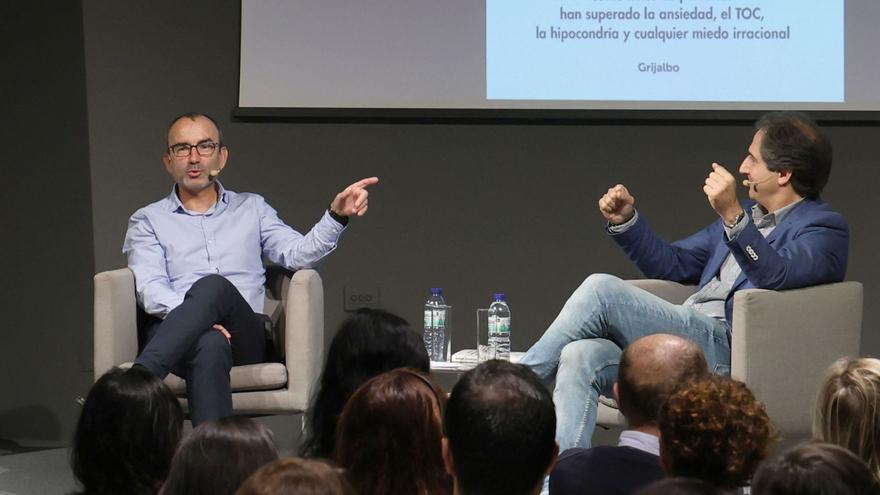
pixel 213 174
pixel 754 183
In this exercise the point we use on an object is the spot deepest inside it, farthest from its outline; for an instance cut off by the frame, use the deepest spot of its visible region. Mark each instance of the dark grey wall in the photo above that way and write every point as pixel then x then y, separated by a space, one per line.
pixel 47 252
pixel 473 209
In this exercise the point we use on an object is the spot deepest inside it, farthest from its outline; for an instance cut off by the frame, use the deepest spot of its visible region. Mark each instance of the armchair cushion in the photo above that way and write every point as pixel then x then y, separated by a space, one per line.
pixel 250 377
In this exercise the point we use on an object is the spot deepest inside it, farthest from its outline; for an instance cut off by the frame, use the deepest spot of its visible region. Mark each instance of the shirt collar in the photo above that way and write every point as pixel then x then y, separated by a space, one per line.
pixel 763 219
pixel 640 441
pixel 175 206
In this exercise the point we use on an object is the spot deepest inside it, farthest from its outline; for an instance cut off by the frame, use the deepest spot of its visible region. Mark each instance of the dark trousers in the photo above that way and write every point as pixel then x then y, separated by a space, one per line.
pixel 186 344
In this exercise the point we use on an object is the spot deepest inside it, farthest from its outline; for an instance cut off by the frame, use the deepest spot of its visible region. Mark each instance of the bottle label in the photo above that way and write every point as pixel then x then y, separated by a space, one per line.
pixel 499 325
pixel 435 318
pixel 439 318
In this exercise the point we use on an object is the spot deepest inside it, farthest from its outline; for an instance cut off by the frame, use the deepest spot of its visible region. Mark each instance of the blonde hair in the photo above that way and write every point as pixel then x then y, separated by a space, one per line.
pixel 848 409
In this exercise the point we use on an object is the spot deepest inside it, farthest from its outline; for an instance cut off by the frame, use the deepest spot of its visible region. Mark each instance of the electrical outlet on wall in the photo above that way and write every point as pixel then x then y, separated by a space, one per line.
pixel 359 297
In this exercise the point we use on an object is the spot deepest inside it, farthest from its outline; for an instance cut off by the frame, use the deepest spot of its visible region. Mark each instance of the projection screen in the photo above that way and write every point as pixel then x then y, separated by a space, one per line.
pixel 488 57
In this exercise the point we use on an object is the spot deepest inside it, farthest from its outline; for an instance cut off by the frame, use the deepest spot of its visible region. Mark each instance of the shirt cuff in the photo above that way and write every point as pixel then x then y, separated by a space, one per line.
pixel 341 220
pixel 733 232
pixel 621 228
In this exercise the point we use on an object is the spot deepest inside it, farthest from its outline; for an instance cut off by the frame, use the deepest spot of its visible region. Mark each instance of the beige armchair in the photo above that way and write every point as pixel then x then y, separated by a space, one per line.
pixel 294 303
pixel 781 344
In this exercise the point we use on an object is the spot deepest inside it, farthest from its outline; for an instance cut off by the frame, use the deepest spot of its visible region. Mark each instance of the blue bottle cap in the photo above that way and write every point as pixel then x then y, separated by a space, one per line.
pixel 437 291
pixel 498 296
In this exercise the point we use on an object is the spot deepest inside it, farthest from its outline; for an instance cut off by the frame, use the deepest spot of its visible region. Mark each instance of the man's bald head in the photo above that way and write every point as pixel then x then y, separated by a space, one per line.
pixel 650 369
pixel 194 116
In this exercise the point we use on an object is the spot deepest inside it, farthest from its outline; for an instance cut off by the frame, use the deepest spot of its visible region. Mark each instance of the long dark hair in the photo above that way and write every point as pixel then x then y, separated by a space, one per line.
pixel 369 342
pixel 127 431
pixel 218 456
pixel 389 436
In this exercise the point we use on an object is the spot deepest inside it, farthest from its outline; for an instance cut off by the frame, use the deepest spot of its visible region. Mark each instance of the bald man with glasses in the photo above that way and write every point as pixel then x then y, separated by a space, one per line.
pixel 197 256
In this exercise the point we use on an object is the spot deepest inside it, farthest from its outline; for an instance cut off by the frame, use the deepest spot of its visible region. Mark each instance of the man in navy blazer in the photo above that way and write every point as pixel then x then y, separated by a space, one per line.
pixel 784 237
pixel 650 370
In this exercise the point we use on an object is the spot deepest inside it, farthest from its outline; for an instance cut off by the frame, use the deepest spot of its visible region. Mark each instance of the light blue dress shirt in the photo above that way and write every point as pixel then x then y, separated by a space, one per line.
pixel 169 247
pixel 640 441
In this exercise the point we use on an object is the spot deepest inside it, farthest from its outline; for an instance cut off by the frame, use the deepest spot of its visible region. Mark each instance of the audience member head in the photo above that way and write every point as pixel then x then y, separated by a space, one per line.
pixel 500 427
pixel 218 456
pixel 389 436
pixel 712 428
pixel 650 369
pixel 297 476
pixel 793 142
pixel 848 409
pixel 370 342
pixel 815 468
pixel 680 486
pixel 127 431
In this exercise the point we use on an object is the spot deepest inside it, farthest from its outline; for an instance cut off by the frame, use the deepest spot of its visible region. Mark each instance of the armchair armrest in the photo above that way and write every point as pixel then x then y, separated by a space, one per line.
pixel 783 341
pixel 115 337
pixel 304 334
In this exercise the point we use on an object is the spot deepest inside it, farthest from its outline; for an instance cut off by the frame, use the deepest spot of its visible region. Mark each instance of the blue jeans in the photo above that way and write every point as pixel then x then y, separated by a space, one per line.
pixel 582 347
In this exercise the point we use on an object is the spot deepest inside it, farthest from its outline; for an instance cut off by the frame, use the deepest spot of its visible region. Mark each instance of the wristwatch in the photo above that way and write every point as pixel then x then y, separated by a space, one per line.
pixel 736 220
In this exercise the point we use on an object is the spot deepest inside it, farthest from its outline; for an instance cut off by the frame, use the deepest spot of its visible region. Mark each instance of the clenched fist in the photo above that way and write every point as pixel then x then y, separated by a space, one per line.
pixel 617 205
pixel 720 189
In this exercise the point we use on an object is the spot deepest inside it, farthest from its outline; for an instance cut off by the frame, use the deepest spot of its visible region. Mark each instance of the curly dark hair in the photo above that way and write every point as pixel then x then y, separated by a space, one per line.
pixel 712 428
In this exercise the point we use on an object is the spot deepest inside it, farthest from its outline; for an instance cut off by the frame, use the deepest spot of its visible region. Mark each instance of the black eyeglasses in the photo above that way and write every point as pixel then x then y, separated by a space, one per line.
pixel 205 148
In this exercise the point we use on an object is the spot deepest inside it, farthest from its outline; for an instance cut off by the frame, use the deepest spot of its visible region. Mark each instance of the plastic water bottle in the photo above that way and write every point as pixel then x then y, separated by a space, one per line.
pixel 435 325
pixel 499 328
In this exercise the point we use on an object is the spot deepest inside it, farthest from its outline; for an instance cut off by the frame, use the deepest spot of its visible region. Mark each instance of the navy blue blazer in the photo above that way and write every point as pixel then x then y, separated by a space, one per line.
pixel 809 247
pixel 604 471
